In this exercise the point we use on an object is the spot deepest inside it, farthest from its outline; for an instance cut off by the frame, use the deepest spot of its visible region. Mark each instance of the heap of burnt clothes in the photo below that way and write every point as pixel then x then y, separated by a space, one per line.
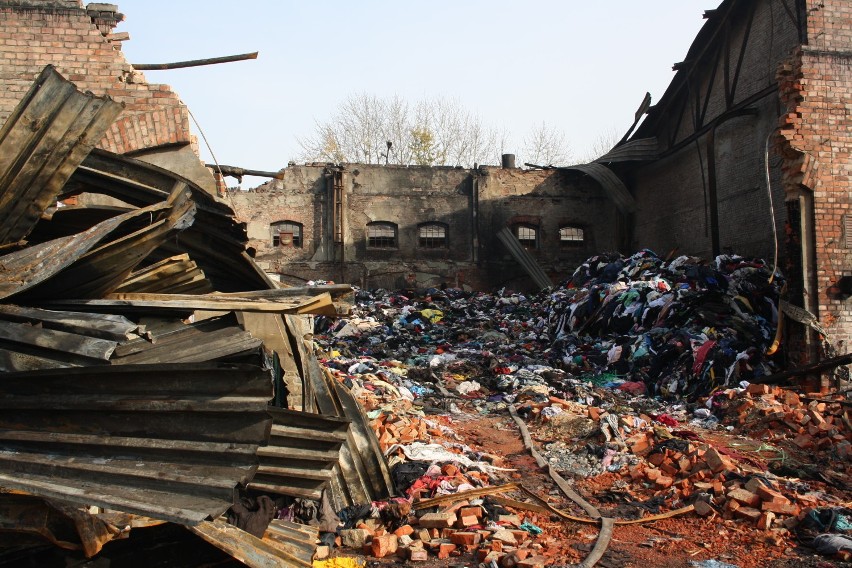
pixel 676 329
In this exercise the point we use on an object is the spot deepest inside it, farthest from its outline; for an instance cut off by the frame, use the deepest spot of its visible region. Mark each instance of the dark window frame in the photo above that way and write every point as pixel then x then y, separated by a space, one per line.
pixel 431 239
pixel 571 236
pixel 521 232
pixel 381 239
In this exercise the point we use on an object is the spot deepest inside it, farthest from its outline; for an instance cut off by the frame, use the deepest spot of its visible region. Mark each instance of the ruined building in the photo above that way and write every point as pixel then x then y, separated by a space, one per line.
pixel 747 151
pixel 765 83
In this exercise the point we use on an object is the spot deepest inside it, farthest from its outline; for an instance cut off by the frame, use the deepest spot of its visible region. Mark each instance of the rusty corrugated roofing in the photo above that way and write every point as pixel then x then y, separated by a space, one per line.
pixel 167 441
pixel 301 454
pixel 87 264
pixel 284 544
pixel 41 143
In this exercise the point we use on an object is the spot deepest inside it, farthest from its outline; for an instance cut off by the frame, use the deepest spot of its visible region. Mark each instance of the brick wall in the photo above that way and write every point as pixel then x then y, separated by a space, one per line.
pixel 411 196
pixel 816 140
pixel 699 115
pixel 80 44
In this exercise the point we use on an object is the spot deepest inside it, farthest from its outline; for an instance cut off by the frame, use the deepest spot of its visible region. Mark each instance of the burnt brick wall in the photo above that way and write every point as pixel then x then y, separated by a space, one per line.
pixel 409 196
pixel 548 200
pixel 816 140
pixel 79 43
pixel 699 115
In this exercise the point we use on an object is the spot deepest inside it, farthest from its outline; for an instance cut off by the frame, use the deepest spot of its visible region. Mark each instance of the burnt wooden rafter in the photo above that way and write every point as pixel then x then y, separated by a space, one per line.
pixel 710 81
pixel 731 82
pixel 680 114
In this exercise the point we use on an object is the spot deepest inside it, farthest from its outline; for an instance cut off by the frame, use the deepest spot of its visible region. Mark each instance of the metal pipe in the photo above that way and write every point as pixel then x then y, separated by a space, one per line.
pixel 193 62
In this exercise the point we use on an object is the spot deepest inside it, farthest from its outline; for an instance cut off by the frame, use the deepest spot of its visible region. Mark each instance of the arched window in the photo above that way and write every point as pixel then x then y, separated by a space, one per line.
pixel 527 235
pixel 432 235
pixel 381 235
pixel 571 237
pixel 287 234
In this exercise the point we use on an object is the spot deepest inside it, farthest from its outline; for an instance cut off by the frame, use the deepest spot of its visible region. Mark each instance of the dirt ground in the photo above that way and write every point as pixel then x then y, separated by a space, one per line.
pixel 667 543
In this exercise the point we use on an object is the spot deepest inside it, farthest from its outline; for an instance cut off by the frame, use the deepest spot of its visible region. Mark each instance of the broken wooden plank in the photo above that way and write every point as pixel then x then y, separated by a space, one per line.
pixel 210 302
pixel 462 495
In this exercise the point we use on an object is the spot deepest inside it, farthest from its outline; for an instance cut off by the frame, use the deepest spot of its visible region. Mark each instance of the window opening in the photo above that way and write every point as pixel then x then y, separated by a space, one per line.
pixel 381 235
pixel 287 234
pixel 571 236
pixel 433 235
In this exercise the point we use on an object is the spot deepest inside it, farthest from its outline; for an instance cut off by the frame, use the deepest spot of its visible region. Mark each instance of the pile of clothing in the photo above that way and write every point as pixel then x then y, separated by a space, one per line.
pixel 675 329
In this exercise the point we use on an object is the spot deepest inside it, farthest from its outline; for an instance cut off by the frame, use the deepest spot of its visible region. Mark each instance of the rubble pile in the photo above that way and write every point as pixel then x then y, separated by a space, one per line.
pixel 578 364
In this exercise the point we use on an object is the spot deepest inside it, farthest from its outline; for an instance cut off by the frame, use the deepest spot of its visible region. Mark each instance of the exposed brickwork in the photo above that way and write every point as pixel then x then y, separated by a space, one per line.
pixel 35 33
pixel 816 129
pixel 673 194
pixel 411 196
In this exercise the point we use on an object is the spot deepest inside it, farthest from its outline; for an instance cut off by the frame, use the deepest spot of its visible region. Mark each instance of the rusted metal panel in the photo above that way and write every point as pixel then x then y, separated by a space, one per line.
pixel 32 339
pixel 284 544
pixel 23 269
pixel 165 441
pixel 611 184
pixel 175 275
pixel 524 258
pixel 216 242
pixel 320 304
pixel 76 266
pixel 44 139
pixel 104 326
pixel 301 454
pixel 172 341
pixel 642 149
pixel 361 474
pixel 103 268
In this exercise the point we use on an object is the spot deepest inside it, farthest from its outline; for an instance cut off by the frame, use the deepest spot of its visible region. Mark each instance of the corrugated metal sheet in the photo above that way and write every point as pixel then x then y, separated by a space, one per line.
pixel 104 326
pixel 174 275
pixel 41 143
pixel 361 474
pixel 84 266
pixel 643 149
pixel 320 304
pixel 172 340
pixel 611 184
pixel 216 241
pixel 284 544
pixel 166 441
pixel 526 260
pixel 103 268
pixel 301 454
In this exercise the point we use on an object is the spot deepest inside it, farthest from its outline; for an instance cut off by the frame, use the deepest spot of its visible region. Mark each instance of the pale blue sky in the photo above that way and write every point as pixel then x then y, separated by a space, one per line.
pixel 580 67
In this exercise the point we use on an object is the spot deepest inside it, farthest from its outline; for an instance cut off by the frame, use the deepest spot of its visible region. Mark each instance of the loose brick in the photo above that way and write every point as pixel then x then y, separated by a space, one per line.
pixel 445 549
pixel 745 497
pixel 383 545
pixel 437 520
pixel 465 538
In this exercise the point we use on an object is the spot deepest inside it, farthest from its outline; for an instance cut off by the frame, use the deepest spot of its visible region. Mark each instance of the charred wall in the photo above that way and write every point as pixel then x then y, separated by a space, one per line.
pixel 444 223
pixel 707 193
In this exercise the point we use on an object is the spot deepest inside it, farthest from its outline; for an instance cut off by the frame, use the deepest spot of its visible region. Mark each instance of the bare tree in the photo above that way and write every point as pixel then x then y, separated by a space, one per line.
pixel 436 132
pixel 605 142
pixel 546 146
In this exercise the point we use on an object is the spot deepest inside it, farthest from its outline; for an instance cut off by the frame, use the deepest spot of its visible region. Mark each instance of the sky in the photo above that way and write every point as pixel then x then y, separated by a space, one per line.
pixel 578 67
